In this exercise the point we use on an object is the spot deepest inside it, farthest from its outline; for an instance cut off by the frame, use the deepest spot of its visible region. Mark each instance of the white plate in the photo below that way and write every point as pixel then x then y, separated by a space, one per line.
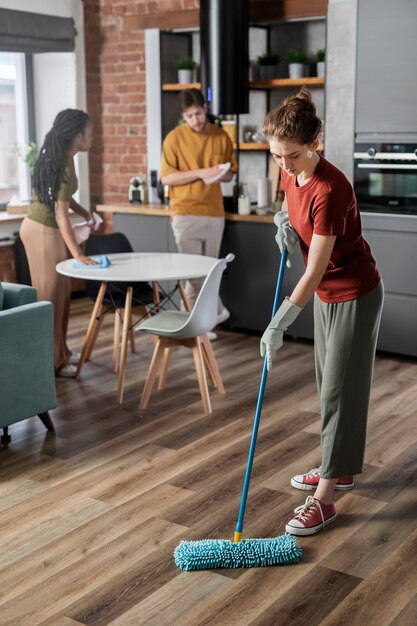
pixel 224 167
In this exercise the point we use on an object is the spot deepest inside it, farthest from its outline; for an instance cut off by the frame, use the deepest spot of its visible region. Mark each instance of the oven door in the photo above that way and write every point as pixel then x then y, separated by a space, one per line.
pixel 386 186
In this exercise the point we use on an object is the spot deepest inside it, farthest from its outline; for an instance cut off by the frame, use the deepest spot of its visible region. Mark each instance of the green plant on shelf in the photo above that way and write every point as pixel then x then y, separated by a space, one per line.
pixel 186 63
pixel 269 58
pixel 28 152
pixel 321 55
pixel 295 56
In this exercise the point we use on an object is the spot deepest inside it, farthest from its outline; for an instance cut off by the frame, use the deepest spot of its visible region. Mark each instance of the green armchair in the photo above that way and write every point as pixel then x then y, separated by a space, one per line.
pixel 27 378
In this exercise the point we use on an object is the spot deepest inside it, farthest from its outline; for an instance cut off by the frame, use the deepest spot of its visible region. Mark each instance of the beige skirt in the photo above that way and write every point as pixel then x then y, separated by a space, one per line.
pixel 45 248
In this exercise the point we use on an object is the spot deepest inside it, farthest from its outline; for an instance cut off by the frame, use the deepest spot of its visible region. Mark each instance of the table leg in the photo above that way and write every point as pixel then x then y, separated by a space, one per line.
pixel 156 298
pixel 184 298
pixel 125 336
pixel 92 325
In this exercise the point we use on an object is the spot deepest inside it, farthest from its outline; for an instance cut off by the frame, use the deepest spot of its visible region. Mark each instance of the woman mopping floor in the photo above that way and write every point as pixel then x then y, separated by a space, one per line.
pixel 320 211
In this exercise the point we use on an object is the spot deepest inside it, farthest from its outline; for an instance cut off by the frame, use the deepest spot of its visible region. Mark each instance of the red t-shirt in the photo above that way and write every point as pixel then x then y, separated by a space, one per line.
pixel 326 205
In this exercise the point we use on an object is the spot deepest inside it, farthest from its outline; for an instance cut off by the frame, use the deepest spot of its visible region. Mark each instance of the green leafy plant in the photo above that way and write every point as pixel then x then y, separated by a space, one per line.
pixel 186 63
pixel 269 58
pixel 294 56
pixel 320 55
pixel 28 153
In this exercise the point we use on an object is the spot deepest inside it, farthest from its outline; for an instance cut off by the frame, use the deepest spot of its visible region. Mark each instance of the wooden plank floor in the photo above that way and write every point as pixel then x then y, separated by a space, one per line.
pixel 89 517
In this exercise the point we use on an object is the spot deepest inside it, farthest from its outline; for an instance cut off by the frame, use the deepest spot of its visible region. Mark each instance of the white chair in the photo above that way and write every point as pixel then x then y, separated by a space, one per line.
pixel 188 329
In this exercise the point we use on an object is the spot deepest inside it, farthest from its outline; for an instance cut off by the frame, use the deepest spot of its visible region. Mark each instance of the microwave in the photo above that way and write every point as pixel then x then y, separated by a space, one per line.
pixel 385 177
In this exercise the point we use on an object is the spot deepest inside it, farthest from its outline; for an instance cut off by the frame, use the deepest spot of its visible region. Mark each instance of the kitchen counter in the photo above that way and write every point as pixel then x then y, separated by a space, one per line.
pixel 9 224
pixel 164 211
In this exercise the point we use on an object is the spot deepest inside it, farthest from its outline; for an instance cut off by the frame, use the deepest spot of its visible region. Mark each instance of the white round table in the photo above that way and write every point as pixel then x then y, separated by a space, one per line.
pixel 153 267
pixel 142 266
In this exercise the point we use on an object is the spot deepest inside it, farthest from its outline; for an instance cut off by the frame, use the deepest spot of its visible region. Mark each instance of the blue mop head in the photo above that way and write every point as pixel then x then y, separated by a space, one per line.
pixel 220 553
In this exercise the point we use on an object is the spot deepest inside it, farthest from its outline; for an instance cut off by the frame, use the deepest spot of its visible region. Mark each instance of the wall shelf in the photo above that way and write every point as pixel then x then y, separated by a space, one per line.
pixel 276 83
pixel 253 146
pixel 180 86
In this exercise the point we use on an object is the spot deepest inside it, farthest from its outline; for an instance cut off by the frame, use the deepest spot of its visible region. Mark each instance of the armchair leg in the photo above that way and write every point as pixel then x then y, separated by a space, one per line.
pixel 47 421
pixel 5 438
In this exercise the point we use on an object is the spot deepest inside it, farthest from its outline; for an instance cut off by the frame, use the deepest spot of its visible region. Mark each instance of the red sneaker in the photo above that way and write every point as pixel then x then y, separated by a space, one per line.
pixel 310 481
pixel 311 517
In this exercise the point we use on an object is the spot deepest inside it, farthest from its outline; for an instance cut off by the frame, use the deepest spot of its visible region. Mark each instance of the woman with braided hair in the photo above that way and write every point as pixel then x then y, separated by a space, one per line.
pixel 46 232
pixel 321 213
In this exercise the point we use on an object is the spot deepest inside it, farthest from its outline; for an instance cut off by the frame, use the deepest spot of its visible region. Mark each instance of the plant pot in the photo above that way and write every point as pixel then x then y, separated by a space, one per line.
pixel 296 70
pixel 267 72
pixel 185 76
pixel 321 68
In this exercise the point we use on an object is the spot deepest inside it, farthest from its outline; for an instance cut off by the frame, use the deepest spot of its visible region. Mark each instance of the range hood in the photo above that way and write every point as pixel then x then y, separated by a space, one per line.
pixel 224 65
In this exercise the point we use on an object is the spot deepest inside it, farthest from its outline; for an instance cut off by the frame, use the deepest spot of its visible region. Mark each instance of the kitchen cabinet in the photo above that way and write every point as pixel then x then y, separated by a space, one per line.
pixel 393 240
pixel 386 48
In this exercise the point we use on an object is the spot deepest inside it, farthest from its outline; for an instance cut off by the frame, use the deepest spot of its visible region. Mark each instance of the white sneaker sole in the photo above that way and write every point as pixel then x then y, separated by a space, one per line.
pixel 302 532
pixel 304 487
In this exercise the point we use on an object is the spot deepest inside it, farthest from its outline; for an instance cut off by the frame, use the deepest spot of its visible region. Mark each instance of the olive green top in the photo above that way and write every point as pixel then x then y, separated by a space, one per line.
pixel 40 212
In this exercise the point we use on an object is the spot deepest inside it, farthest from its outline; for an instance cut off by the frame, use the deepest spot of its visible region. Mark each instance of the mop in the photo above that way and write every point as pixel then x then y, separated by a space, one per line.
pixel 221 553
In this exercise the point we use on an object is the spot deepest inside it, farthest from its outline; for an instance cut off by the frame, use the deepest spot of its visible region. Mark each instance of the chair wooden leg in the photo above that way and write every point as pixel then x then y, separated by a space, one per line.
pixel 95 316
pixel 123 350
pixel 152 373
pixel 208 366
pixel 201 376
pixel 132 335
pixel 47 421
pixel 214 368
pixel 5 438
pixel 164 369
pixel 116 339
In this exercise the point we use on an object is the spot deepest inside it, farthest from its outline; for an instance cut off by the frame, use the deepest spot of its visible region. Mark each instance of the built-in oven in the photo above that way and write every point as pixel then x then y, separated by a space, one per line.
pixel 385 177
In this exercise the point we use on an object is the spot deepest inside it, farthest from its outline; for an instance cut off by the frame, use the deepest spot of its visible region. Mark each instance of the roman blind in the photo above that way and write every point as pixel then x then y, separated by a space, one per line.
pixel 22 31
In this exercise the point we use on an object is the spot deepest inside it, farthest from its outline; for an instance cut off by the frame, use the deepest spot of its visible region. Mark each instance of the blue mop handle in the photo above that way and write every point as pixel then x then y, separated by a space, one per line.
pixel 257 418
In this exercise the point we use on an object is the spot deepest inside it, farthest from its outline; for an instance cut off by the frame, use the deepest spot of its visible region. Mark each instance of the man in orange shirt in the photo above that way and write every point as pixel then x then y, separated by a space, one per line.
pixel 193 154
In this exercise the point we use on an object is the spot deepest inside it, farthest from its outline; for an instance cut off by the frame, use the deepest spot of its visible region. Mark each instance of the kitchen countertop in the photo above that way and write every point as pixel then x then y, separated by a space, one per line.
pixel 163 211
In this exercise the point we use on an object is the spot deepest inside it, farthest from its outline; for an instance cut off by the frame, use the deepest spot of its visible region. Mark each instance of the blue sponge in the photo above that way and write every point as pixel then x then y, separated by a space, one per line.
pixel 103 261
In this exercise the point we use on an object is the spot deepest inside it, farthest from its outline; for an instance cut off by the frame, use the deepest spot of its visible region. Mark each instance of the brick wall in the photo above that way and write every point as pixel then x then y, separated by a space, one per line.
pixel 7 264
pixel 116 93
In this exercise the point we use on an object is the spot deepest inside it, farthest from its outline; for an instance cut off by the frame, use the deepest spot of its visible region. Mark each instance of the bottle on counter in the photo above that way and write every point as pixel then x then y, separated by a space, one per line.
pixel 166 194
pixel 243 201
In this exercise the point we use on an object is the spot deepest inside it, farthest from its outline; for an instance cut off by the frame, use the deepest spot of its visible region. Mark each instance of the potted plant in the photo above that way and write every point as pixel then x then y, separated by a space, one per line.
pixel 267 65
pixel 28 153
pixel 296 63
pixel 321 62
pixel 185 68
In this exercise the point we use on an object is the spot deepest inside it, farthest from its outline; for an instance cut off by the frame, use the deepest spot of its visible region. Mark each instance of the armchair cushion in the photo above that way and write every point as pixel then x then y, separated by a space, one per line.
pixel 27 377
pixel 15 295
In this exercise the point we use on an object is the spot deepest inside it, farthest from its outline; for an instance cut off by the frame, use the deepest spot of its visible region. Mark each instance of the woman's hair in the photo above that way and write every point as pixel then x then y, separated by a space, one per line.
pixel 51 162
pixel 190 98
pixel 294 120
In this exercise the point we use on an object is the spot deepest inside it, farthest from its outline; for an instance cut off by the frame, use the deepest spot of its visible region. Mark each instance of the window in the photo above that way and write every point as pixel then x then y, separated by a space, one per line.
pixel 14 133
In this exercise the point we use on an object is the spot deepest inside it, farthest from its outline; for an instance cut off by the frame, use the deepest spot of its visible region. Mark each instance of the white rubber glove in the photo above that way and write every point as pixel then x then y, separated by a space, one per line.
pixel 272 339
pixel 286 236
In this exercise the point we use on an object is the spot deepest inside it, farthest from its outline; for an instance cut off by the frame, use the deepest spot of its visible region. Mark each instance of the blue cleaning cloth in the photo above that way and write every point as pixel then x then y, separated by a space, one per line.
pixel 103 261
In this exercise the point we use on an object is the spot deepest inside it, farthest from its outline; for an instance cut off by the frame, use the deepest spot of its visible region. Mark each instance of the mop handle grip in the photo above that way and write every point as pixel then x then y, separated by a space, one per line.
pixel 251 454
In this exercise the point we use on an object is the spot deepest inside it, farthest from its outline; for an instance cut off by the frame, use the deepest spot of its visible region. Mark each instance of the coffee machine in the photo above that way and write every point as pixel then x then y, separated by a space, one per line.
pixel 138 190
